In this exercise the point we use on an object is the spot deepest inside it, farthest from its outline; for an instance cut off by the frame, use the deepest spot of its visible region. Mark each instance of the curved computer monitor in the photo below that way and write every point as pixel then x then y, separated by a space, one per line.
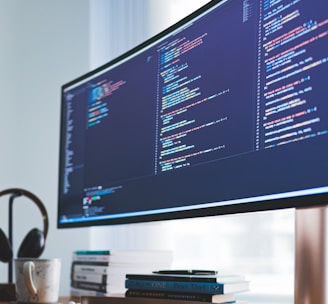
pixel 224 112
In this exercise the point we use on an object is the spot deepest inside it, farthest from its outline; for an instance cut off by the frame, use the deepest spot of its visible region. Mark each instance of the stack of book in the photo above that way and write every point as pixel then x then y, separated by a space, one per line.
pixel 201 286
pixel 102 272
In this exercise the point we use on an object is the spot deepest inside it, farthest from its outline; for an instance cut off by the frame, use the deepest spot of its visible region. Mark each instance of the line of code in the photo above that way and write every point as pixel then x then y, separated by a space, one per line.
pixel 98 108
pixel 181 94
pixel 293 60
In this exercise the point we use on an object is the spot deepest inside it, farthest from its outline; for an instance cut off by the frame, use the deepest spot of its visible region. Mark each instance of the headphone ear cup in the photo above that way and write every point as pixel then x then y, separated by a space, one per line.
pixel 6 253
pixel 32 245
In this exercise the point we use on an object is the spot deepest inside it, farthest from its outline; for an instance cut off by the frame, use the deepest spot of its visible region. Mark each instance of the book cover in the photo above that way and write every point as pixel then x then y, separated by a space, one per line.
pixel 186 278
pixel 193 287
pixel 220 298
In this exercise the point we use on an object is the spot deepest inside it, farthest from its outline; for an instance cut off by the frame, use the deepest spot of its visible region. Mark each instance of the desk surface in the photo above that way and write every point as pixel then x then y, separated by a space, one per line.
pixel 62 300
pixel 118 300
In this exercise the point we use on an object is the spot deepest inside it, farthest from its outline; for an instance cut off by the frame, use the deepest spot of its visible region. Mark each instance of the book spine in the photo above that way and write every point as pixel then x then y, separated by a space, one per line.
pixel 90 258
pixel 169 278
pixel 185 278
pixel 180 296
pixel 168 295
pixel 84 292
pixel 91 286
pixel 91 252
pixel 194 287
pixel 92 278
pixel 89 271
pixel 89 268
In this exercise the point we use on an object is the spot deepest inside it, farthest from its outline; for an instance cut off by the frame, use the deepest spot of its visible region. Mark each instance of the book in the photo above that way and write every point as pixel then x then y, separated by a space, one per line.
pixel 90 277
pixel 200 297
pixel 91 252
pixel 104 270
pixel 104 288
pixel 186 278
pixel 125 257
pixel 192 287
pixel 90 267
pixel 79 292
pixel 91 255
pixel 114 299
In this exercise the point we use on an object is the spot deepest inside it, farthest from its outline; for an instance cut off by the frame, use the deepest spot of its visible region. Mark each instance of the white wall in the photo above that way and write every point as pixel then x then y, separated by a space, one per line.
pixel 44 43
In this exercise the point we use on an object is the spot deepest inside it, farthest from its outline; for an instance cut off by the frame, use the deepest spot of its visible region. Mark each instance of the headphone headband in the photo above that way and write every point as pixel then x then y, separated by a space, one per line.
pixel 36 200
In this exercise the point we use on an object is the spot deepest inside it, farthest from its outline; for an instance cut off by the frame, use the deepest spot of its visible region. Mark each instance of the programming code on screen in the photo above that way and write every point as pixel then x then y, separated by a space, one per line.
pixel 232 95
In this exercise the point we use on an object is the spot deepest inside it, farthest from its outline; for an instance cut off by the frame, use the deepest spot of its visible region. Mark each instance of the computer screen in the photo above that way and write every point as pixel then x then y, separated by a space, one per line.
pixel 224 112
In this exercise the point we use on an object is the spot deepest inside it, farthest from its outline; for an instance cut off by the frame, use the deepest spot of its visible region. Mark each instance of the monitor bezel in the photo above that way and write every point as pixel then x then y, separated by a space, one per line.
pixel 257 205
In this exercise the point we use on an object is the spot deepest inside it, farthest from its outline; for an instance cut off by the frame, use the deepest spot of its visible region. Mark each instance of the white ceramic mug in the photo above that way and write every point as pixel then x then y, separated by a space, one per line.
pixel 37 280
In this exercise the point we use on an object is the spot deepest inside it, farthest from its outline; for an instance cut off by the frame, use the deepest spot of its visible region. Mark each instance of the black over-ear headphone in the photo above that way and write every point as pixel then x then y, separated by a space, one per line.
pixel 33 244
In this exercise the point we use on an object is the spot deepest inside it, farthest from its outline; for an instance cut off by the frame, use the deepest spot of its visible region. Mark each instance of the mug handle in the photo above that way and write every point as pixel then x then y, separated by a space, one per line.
pixel 28 271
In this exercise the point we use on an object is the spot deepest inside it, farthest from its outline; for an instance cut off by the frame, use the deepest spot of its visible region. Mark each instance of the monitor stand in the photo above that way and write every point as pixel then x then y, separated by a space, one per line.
pixel 311 260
